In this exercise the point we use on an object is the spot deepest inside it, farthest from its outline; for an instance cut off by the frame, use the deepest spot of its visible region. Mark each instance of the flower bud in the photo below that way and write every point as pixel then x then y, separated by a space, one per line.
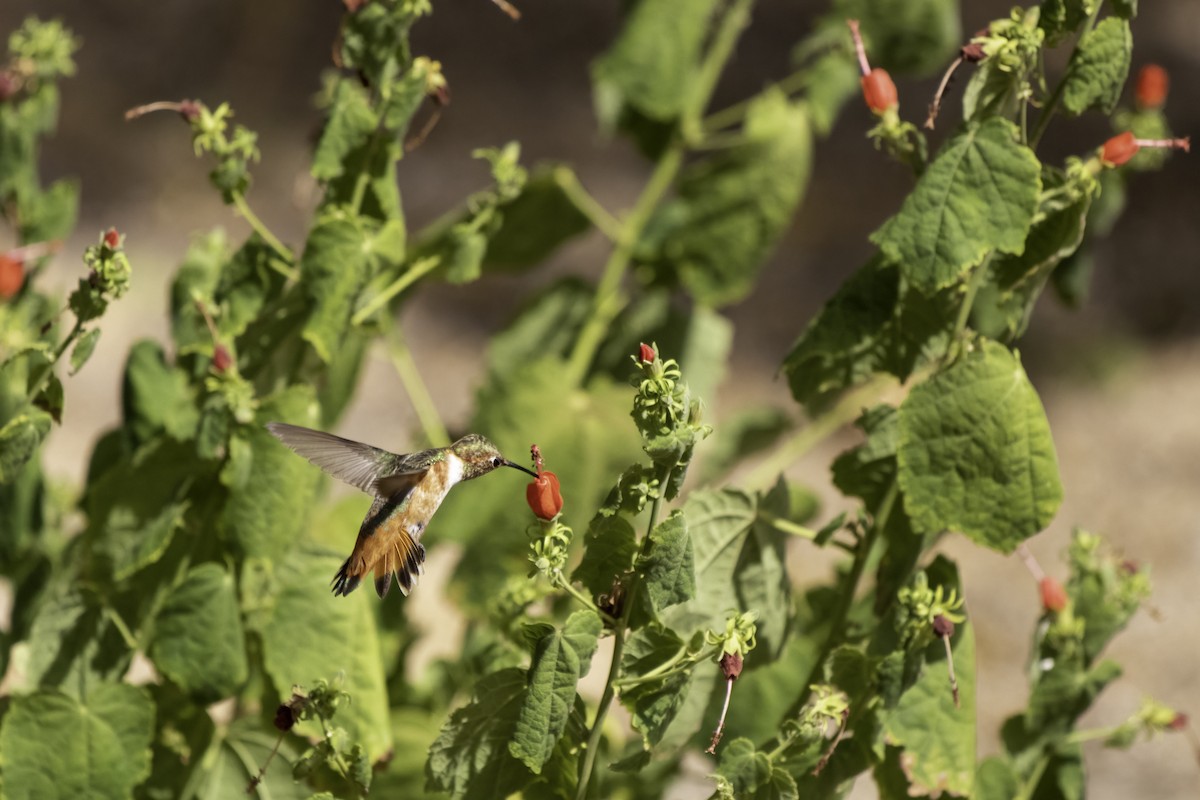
pixel 1178 722
pixel 731 665
pixel 190 109
pixel 221 360
pixel 879 91
pixel 1152 86
pixel 646 353
pixel 12 276
pixel 1119 149
pixel 285 717
pixel 943 627
pixel 1054 596
pixel 112 239
pixel 544 496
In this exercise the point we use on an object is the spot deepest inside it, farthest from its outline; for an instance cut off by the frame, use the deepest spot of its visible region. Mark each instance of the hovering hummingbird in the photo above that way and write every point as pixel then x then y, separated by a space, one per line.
pixel 408 491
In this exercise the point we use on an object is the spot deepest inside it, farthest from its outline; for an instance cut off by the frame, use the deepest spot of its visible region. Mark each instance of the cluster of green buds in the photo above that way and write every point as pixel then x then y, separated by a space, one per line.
pixel 667 416
pixel 802 737
pixel 738 639
pixel 925 612
pixel 39 52
pixel 108 279
pixel 1151 719
pixel 1013 45
pixel 334 748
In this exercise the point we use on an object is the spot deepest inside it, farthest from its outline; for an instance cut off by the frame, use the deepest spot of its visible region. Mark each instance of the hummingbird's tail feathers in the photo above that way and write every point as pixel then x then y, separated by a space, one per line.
pixel 358 464
pixel 344 583
pixel 406 561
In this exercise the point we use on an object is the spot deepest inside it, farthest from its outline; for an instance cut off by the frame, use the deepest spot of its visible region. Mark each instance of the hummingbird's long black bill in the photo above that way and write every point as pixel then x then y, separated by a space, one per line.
pixel 518 466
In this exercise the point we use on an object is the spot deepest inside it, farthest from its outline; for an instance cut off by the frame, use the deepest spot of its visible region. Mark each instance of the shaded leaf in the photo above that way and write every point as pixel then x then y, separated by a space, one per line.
pixel 537 222
pixel 668 565
pixel 156 396
pixel 198 641
pixel 20 438
pixel 83 349
pixel 351 122
pixel 333 268
pixel 54 746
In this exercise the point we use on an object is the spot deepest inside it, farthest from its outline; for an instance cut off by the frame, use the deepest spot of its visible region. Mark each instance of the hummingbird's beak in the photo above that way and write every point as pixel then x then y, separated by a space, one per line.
pixel 518 466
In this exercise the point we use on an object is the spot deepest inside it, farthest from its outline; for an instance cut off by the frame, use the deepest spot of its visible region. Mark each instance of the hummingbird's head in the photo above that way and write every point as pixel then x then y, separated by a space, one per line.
pixel 479 456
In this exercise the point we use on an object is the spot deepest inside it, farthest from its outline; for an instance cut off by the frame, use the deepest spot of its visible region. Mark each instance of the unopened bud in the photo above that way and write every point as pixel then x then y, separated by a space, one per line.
pixel 112 239
pixel 12 276
pixel 731 665
pixel 943 627
pixel 1152 86
pixel 221 360
pixel 1054 596
pixel 646 353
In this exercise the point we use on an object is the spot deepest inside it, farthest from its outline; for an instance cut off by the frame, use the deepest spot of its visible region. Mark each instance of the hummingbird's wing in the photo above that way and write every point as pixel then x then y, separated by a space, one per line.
pixel 375 471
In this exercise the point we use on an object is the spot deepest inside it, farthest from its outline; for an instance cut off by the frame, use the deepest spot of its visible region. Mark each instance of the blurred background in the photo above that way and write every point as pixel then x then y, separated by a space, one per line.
pixel 1120 378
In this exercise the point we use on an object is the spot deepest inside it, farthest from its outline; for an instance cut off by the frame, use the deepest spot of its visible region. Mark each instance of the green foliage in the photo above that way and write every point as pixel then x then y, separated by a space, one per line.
pixel 203 545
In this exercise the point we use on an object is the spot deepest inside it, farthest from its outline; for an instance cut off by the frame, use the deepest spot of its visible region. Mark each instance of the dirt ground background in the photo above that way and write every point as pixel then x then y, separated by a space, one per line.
pixel 1120 379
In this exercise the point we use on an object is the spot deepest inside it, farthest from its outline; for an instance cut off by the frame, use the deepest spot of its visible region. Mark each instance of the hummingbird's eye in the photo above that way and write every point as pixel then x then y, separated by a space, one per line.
pixel 497 461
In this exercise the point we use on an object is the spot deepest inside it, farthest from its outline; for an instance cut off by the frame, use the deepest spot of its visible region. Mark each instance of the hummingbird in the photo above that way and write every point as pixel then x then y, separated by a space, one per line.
pixel 408 489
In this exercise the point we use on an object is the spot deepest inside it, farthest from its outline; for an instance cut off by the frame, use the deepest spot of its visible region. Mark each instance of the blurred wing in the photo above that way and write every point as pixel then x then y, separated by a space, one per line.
pixel 368 468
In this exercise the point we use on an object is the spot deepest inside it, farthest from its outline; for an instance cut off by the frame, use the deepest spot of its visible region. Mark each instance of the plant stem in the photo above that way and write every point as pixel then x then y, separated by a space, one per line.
pixel 737 112
pixel 35 383
pixel 566 586
pixel 609 302
pixel 819 429
pixel 414 386
pixel 262 230
pixel 1035 777
pixel 417 270
pixel 849 589
pixel 596 213
pixel 1056 96
pixel 964 311
pixel 614 668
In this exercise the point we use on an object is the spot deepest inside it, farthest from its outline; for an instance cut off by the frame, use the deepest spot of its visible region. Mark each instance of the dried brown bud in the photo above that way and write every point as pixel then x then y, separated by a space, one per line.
pixel 943 627
pixel 189 109
pixel 285 717
pixel 731 665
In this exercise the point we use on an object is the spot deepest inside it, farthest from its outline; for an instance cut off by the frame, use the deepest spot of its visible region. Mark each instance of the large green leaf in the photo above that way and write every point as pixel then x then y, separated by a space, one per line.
pixel 559 661
pixel 333 268
pixel 535 223
pixel 733 207
pixel 157 396
pixel 71 644
pixel 748 774
pixel 655 704
pixel 653 62
pixel 271 488
pixel 1098 68
pixel 874 323
pixel 19 440
pixel 198 641
pixel 54 746
pixel 351 123
pixel 975 453
pixel 470 757
pixel 308 634
pixel 668 565
pixel 979 194
pixel 234 758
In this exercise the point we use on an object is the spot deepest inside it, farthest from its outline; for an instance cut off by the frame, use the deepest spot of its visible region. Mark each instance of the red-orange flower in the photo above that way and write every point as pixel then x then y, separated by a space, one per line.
pixel 542 493
pixel 1054 596
pixel 1152 85
pixel 879 91
pixel 12 275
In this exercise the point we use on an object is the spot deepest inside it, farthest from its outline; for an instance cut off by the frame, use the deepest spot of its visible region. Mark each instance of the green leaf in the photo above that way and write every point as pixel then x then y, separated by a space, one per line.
pixel 875 323
pixel 198 641
pixel 53 746
pixel 1098 68
pixel 744 434
pixel 906 36
pixel 1061 18
pixel 652 63
pixel 996 780
pixel 72 646
pixel 610 548
pixel 308 635
pixel 1125 9
pixel 747 774
pixel 559 661
pixel 975 452
pixel 333 268
pixel 234 758
pixel 272 487
pixel 351 123
pixel 50 214
pixel 470 757
pixel 156 396
pixel 739 565
pixel 535 224
pixel 20 438
pixel 867 471
pixel 733 206
pixel 654 704
pixel 979 194
pixel 83 349
pixel 668 564
pixel 546 325
pixel 939 738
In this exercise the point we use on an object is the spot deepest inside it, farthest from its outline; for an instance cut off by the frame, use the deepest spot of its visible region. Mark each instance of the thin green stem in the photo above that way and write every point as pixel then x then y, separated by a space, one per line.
pixel 239 201
pixel 848 590
pixel 786 525
pixel 733 114
pixel 1035 777
pixel 1092 734
pixel 845 411
pixel 130 640
pixel 591 208
pixel 414 386
pixel 964 311
pixel 614 667
pixel 608 301
pixel 1056 96
pixel 36 382
pixel 417 270
pixel 567 587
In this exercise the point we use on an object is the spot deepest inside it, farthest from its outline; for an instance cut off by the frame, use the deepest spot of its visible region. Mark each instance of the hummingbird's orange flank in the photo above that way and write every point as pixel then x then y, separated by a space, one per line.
pixel 408 490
